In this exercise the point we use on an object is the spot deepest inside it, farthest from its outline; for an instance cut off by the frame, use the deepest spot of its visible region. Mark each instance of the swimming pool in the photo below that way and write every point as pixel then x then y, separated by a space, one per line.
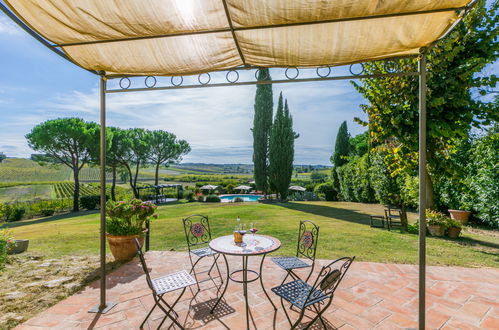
pixel 246 198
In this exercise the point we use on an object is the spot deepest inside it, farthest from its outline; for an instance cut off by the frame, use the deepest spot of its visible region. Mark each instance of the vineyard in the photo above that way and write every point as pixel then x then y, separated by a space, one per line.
pixel 66 189
pixel 25 170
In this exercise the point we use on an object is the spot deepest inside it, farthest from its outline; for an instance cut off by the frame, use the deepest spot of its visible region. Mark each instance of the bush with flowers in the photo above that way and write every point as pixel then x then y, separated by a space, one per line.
pixel 128 217
pixel 7 243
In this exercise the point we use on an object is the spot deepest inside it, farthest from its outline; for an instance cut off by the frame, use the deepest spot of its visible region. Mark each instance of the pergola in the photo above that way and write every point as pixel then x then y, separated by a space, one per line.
pixel 127 40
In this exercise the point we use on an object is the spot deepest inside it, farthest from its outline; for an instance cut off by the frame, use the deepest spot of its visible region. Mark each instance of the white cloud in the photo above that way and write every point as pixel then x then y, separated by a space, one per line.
pixel 216 121
pixel 7 27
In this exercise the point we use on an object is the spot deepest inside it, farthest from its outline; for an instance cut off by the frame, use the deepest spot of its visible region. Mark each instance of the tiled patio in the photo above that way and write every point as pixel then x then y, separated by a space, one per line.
pixel 372 295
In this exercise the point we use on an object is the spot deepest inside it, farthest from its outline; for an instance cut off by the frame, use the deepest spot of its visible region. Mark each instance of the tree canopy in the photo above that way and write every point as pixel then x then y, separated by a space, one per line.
pixel 262 124
pixel 281 150
pixel 342 146
pixel 455 74
pixel 164 148
pixel 68 141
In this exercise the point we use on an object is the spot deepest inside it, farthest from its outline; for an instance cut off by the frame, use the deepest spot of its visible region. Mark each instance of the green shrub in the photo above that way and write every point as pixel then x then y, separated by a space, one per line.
pixel 47 212
pixel 483 180
pixel 13 212
pixel 386 188
pixel 213 199
pixel 188 194
pixel 303 196
pixel 200 198
pixel 354 180
pixel 409 191
pixel 238 200
pixel 413 228
pixel 89 202
pixel 326 190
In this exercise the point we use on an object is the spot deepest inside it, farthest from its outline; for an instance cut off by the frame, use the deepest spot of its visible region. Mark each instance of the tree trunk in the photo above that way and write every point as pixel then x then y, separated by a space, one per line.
pixel 135 179
pixel 430 197
pixel 130 180
pixel 76 195
pixel 157 174
pixel 113 185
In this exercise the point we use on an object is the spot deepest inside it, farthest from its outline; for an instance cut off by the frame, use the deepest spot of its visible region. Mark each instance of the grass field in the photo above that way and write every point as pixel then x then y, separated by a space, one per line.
pixel 344 230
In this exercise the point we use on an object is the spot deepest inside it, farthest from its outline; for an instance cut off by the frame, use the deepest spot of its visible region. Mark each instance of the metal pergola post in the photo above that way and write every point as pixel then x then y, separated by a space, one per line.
pixel 103 306
pixel 422 189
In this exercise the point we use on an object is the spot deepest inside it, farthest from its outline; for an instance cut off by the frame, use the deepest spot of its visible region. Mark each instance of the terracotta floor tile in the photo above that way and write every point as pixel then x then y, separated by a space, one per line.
pixel 490 323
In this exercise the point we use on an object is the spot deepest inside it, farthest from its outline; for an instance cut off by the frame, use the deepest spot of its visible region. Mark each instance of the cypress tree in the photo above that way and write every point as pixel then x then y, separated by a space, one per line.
pixel 281 150
pixel 262 124
pixel 342 146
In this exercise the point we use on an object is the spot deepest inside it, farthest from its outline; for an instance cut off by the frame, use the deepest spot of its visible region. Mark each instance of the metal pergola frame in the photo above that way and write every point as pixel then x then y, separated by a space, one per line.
pixel 150 84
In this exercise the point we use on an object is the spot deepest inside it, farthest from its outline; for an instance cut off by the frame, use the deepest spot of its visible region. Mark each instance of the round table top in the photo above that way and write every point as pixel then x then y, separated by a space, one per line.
pixel 251 245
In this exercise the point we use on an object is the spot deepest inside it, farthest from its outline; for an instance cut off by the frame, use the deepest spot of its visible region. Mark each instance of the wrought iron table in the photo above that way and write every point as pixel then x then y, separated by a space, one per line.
pixel 253 245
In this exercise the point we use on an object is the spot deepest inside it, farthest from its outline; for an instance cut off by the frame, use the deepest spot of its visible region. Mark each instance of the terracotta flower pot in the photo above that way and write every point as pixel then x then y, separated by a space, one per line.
pixel 460 215
pixel 436 230
pixel 123 248
pixel 454 232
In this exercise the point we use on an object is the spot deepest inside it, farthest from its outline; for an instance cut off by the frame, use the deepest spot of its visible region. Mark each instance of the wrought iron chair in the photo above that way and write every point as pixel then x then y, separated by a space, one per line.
pixel 198 233
pixel 304 296
pixel 308 236
pixel 162 285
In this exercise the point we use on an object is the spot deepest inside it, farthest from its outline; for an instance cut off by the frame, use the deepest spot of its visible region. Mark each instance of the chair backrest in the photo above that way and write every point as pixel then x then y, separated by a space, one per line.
pixel 330 277
pixel 308 236
pixel 143 262
pixel 392 211
pixel 197 230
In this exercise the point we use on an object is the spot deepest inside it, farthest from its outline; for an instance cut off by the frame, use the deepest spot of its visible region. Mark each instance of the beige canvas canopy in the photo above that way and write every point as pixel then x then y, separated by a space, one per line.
pixel 181 37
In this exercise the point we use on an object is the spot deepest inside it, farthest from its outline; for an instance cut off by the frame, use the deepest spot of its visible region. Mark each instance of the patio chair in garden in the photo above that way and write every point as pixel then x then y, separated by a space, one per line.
pixel 316 297
pixel 198 235
pixel 162 285
pixel 394 217
pixel 308 235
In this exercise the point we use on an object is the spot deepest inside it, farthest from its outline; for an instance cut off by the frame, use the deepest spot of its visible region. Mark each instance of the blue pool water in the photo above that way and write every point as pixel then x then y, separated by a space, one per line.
pixel 246 198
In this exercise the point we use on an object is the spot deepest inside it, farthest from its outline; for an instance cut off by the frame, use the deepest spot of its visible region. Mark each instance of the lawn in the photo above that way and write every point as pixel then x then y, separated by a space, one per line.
pixel 344 231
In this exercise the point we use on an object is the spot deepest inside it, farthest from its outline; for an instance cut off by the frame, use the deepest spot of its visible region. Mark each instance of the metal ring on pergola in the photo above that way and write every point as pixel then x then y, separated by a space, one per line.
pixel 237 56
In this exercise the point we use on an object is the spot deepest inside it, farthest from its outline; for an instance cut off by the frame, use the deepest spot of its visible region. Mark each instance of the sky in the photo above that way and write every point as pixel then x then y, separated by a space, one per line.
pixel 37 85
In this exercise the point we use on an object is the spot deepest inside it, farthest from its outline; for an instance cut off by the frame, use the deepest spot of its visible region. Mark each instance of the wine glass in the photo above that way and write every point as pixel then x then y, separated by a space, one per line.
pixel 243 229
pixel 253 228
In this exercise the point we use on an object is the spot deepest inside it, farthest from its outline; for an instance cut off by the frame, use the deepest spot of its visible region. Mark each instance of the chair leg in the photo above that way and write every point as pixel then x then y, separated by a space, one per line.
pixel 170 308
pixel 212 265
pixel 150 312
pixel 193 270
pixel 319 315
pixel 302 313
pixel 285 312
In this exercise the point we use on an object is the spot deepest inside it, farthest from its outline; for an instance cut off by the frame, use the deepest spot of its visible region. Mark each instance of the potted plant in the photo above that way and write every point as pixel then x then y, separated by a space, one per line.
pixel 125 221
pixel 436 223
pixel 460 215
pixel 453 228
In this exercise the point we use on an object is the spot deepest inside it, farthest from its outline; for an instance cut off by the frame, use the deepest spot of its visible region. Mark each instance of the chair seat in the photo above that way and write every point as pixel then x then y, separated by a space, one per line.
pixel 203 252
pixel 290 262
pixel 172 282
pixel 296 292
